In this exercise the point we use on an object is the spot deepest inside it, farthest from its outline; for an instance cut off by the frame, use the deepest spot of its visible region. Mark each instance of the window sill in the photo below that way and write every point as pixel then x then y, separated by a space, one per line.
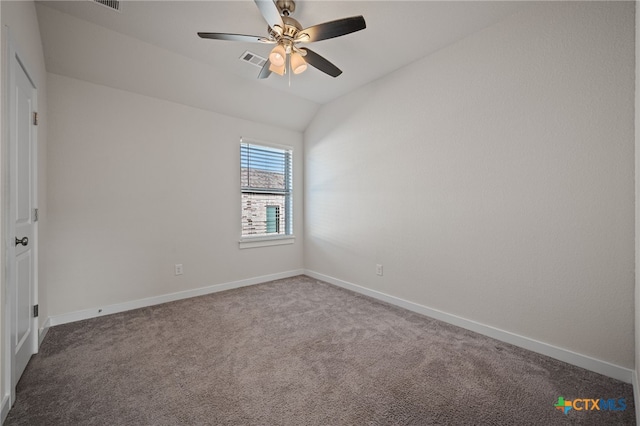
pixel 254 242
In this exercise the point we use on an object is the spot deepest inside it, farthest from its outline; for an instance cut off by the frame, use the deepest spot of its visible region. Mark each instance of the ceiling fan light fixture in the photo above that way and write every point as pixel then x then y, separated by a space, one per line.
pixel 298 64
pixel 277 56
pixel 286 32
pixel 277 69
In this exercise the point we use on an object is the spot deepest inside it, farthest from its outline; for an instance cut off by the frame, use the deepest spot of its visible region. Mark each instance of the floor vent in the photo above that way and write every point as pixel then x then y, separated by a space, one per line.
pixel 111 4
pixel 253 59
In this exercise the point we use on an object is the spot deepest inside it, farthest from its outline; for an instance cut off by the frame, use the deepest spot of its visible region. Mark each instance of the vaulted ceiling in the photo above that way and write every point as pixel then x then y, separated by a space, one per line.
pixel 151 48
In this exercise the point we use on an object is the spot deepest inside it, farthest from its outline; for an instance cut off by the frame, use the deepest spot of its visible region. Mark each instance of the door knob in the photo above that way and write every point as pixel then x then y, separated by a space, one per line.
pixel 23 241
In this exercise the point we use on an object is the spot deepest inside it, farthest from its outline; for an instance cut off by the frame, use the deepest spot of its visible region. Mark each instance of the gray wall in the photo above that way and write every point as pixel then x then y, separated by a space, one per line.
pixel 494 180
pixel 138 184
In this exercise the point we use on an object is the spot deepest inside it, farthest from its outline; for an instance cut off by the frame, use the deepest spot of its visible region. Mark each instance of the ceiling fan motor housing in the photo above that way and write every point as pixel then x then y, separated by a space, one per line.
pixel 291 27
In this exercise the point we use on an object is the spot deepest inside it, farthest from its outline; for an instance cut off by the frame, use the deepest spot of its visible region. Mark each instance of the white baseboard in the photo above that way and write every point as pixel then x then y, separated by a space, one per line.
pixel 6 406
pixel 156 300
pixel 42 332
pixel 602 367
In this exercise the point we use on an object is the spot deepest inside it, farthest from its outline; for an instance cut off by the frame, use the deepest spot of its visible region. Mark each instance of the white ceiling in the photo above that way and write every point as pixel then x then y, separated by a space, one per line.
pixel 397 33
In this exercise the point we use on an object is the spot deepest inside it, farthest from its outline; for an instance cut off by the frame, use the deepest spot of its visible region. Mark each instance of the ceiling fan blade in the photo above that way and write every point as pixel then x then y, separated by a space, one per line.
pixel 332 29
pixel 270 13
pixel 321 63
pixel 265 71
pixel 235 37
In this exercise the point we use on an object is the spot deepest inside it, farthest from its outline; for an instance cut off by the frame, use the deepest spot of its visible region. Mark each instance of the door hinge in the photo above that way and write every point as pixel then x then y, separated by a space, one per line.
pixel 35 311
pixel 35 118
pixel 35 215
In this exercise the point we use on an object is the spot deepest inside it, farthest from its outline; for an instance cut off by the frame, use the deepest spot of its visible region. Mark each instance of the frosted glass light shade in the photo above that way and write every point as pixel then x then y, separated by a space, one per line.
pixel 277 56
pixel 298 64
pixel 278 70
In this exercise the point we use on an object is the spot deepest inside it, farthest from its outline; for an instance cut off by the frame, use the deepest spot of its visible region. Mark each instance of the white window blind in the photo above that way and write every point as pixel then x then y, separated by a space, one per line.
pixel 265 179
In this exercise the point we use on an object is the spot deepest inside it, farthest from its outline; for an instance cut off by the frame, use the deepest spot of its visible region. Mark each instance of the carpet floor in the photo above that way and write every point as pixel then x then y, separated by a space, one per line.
pixel 296 352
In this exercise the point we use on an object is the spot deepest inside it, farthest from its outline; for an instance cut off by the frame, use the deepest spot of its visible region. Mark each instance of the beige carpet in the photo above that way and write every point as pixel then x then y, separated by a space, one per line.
pixel 295 352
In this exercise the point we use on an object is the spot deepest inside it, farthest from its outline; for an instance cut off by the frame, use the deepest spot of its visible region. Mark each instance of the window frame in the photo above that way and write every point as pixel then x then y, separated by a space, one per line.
pixel 249 241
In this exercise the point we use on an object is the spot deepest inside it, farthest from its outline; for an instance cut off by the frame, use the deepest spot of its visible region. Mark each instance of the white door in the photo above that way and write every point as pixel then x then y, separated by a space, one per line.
pixel 22 196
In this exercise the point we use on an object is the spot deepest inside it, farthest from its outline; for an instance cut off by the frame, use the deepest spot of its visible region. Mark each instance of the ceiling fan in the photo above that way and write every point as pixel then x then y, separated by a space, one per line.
pixel 287 33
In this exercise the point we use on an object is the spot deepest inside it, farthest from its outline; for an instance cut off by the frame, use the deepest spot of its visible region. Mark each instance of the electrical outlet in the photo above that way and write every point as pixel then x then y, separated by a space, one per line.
pixel 379 269
pixel 179 270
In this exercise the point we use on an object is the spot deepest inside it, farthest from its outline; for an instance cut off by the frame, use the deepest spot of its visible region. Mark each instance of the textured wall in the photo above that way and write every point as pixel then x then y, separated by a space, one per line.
pixel 494 180
pixel 137 185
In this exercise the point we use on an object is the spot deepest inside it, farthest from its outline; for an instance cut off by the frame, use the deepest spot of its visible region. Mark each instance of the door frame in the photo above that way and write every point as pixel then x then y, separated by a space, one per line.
pixel 14 60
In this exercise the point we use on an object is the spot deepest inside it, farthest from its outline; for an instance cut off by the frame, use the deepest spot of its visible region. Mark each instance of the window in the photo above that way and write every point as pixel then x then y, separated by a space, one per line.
pixel 273 219
pixel 265 179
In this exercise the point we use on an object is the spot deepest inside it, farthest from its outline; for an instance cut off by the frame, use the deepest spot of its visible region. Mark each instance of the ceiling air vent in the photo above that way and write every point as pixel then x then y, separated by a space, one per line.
pixel 111 4
pixel 253 59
